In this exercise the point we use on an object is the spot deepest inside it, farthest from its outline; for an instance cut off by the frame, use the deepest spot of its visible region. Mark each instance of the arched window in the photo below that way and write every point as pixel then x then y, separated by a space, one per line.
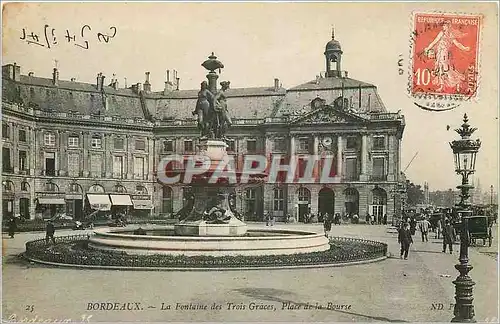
pixel 96 188
pixel 25 186
pixel 141 190
pixel 167 207
pixel 52 187
pixel 8 186
pixel 75 187
pixel 379 197
pixel 304 194
pixel 119 188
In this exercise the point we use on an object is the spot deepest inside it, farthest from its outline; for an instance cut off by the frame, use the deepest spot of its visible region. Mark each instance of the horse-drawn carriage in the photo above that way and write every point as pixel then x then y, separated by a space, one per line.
pixel 480 228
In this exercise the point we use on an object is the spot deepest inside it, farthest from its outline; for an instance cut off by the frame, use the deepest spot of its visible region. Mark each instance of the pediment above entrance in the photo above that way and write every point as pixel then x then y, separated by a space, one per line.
pixel 327 115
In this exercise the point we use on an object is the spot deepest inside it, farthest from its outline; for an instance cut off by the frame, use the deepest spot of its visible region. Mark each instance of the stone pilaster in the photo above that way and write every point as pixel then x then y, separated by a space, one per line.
pixel 130 157
pixel 364 158
pixel 62 159
pixel 86 157
pixel 14 134
pixel 340 158
pixel 391 161
pixel 32 151
pixel 150 158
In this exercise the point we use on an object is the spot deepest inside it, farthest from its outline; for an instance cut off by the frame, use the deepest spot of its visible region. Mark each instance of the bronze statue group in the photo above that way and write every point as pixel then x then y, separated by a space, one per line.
pixel 211 110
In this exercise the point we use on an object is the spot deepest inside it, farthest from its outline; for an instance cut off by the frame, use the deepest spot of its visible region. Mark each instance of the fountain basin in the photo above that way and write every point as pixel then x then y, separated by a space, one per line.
pixel 254 243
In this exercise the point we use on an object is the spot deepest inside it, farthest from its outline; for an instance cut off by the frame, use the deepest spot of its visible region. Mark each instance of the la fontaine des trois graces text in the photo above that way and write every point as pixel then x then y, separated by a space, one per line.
pixel 227 306
pixel 277 168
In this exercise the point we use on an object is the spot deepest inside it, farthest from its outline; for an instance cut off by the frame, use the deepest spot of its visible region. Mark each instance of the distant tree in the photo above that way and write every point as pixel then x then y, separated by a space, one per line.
pixel 415 194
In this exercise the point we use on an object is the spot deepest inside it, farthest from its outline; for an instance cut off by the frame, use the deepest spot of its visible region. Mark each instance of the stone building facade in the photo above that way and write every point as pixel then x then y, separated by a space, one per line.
pixel 69 146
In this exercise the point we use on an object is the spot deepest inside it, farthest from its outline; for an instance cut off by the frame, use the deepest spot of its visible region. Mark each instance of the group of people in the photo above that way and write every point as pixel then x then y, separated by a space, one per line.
pixel 408 228
pixel 371 219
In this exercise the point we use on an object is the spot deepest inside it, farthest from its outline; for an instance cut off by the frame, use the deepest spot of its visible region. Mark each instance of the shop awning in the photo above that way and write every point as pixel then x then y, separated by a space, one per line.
pixel 142 204
pixel 51 201
pixel 99 202
pixel 121 200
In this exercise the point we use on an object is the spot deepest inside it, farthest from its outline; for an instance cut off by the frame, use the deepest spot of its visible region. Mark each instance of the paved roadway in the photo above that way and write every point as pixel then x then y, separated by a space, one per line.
pixel 389 290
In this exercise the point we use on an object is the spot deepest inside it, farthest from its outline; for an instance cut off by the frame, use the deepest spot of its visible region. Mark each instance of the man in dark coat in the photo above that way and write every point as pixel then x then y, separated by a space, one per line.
pixel 12 226
pixel 405 239
pixel 49 232
pixel 448 236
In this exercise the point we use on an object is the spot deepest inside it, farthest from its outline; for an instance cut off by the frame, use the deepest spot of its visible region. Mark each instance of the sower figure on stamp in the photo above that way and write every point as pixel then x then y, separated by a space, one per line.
pixel 405 239
pixel 445 73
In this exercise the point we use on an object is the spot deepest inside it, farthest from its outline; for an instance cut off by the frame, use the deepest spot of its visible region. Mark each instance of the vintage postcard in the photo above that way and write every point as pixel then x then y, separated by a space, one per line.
pixel 249 162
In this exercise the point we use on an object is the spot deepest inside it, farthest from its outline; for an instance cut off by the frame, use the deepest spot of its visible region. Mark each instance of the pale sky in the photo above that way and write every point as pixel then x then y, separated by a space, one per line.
pixel 260 41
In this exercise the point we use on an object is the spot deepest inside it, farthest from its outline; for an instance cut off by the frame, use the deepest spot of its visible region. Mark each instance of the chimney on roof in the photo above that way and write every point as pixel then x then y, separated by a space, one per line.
pixel 276 84
pixel 177 83
pixel 136 88
pixel 317 79
pixel 73 79
pixel 55 77
pixel 12 72
pixel 147 85
pixel 31 74
pixel 100 81
pixel 169 86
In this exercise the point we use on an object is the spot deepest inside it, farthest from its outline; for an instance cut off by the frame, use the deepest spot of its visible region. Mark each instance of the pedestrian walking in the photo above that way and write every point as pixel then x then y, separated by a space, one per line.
pixel 272 219
pixel 372 219
pixel 12 226
pixel 413 225
pixel 49 232
pixel 337 219
pixel 448 236
pixel 385 219
pixel 327 224
pixel 368 218
pixel 405 239
pixel 423 227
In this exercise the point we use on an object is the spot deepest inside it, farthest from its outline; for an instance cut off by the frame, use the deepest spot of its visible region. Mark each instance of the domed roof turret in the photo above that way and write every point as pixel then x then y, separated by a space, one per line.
pixel 333 45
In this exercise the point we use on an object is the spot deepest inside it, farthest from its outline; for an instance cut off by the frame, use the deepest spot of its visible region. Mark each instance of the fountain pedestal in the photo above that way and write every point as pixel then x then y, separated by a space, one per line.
pixel 207 195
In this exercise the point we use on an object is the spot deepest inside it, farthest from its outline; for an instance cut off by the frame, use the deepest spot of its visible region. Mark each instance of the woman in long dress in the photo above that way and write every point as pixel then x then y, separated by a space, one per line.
pixel 445 74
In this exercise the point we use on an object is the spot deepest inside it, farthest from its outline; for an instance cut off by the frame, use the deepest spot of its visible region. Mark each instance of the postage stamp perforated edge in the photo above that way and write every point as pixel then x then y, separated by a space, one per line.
pixel 447 99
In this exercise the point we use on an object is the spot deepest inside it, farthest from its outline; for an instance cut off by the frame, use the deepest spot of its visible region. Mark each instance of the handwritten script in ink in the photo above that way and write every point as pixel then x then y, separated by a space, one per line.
pixel 49 37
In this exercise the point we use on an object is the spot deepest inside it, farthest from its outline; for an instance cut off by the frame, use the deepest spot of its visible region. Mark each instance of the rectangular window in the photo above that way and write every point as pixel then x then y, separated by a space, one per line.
pixel 251 146
pixel 73 141
pixel 352 143
pixel 118 167
pixel 73 165
pixel 168 146
pixel 49 139
pixel 22 135
pixel 279 199
pixel 250 201
pixel 96 143
pixel 50 164
pixel 118 143
pixel 231 145
pixel 5 130
pixel 279 145
pixel 379 142
pixel 23 160
pixel 6 165
pixel 304 144
pixel 140 145
pixel 188 146
pixel 351 169
pixel 139 168
pixel 378 169
pixel 95 165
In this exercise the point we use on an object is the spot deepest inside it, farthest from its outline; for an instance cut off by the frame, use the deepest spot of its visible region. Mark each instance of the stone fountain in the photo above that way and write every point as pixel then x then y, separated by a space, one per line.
pixel 209 223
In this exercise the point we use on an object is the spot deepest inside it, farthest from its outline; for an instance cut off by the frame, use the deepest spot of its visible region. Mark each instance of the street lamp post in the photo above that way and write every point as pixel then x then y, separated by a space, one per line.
pixel 464 151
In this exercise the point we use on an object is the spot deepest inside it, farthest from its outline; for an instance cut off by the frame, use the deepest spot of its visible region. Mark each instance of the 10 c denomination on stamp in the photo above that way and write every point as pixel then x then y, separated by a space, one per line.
pixel 445 52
